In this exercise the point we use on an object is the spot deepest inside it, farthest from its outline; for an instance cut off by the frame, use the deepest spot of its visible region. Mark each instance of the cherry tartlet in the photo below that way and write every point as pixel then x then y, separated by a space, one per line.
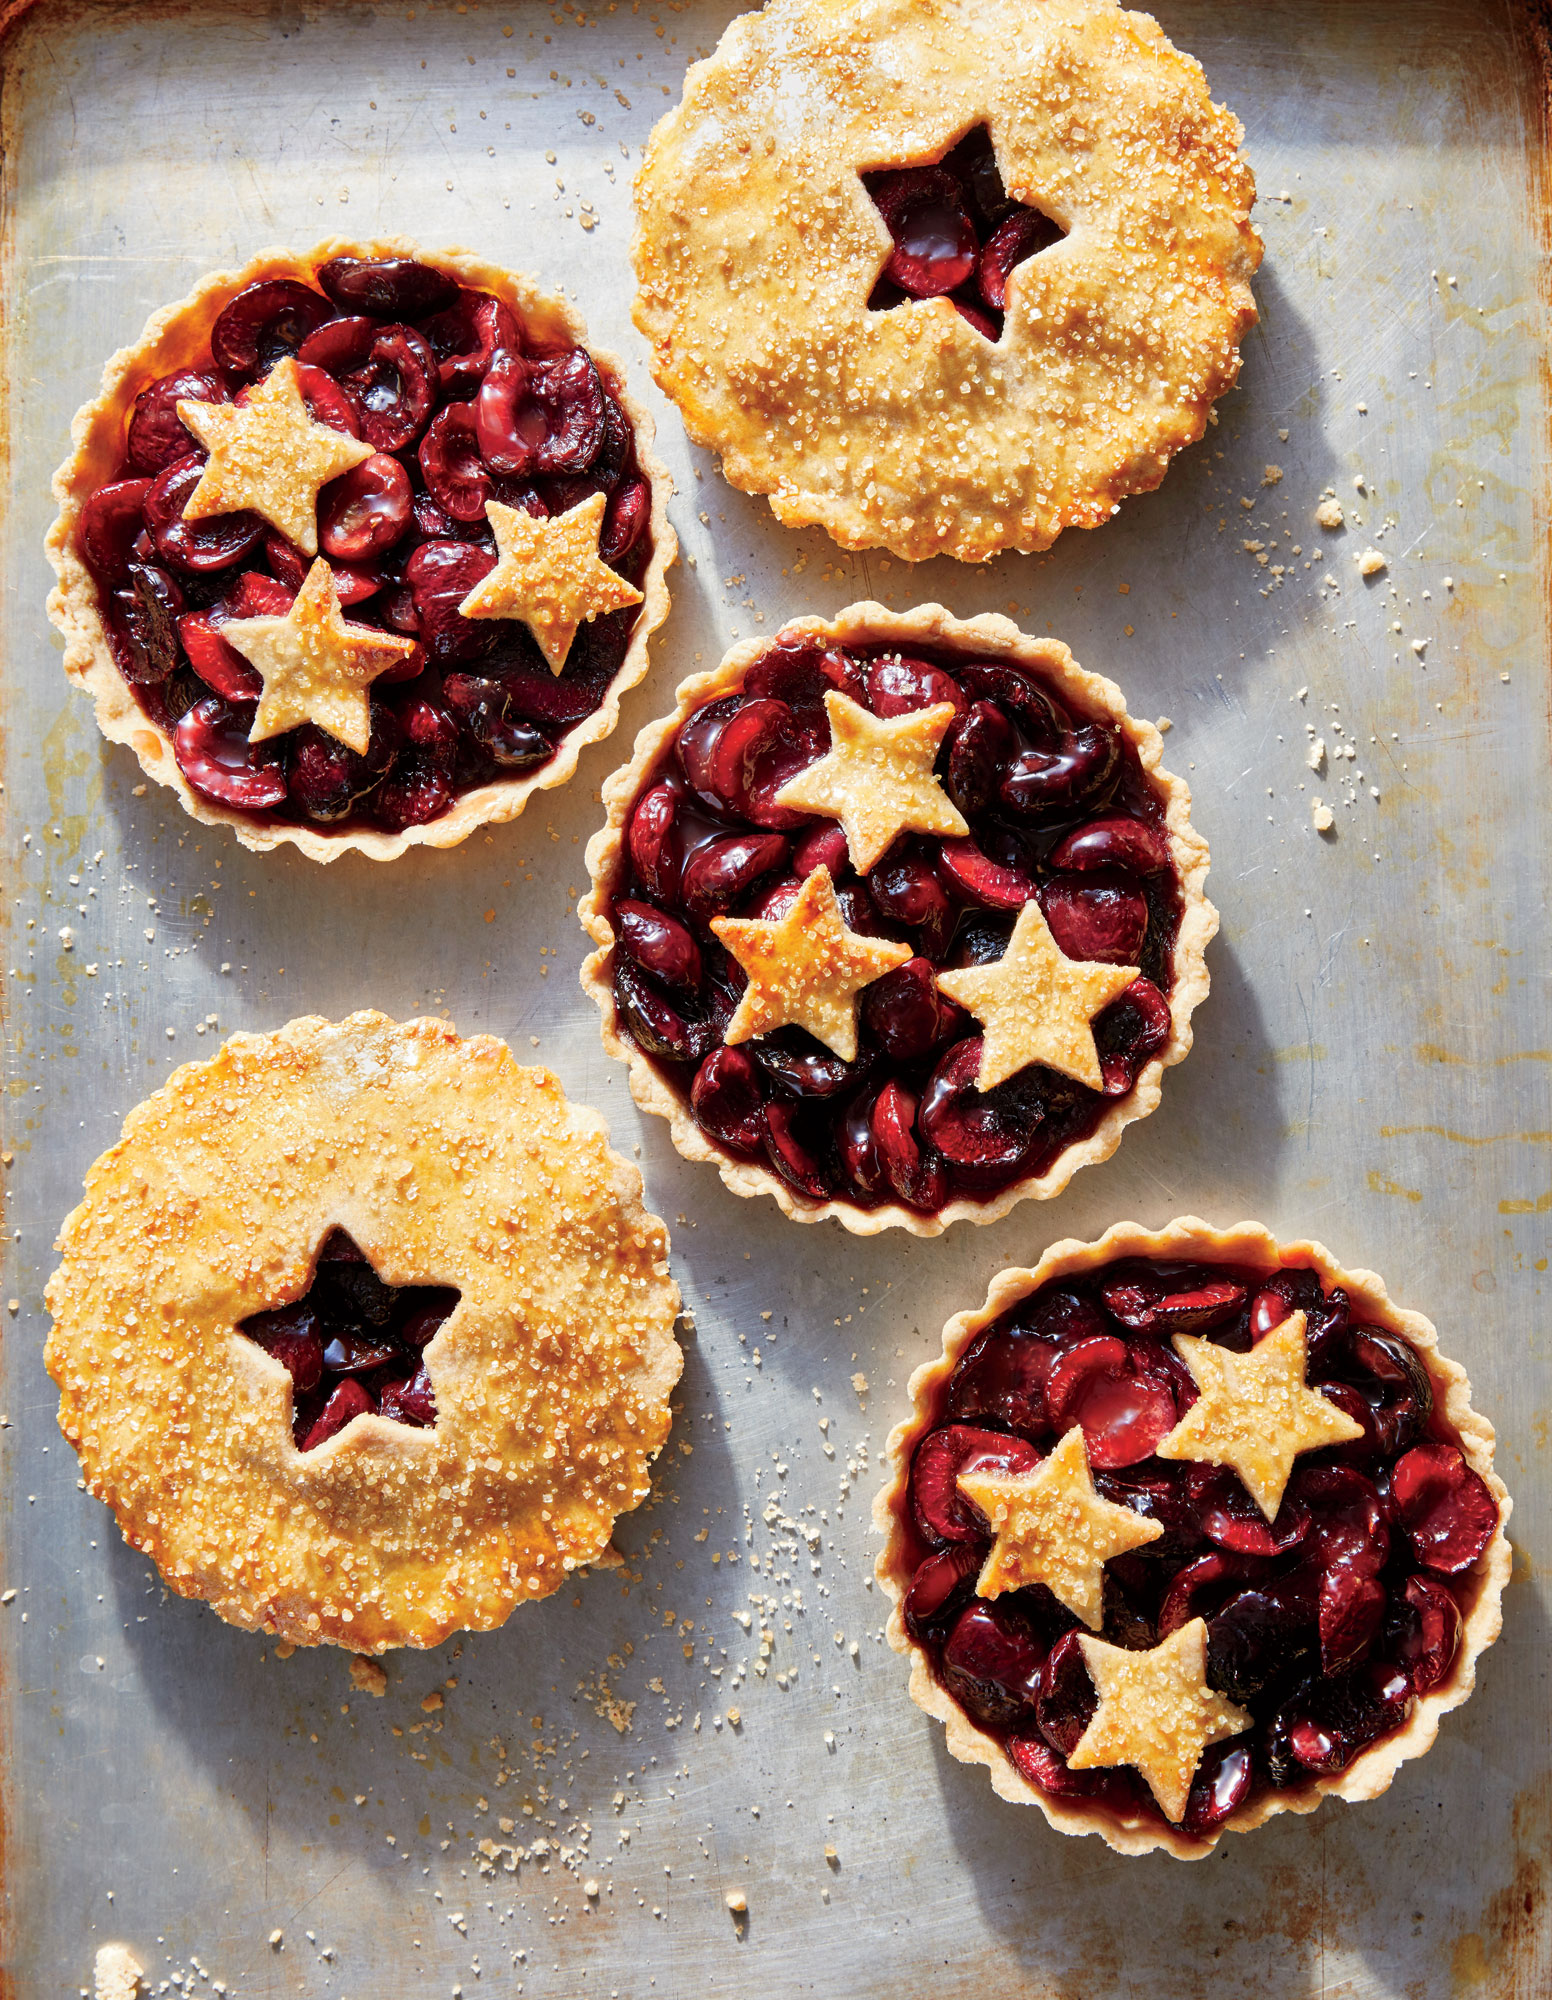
pixel 1187 1528
pixel 945 280
pixel 363 1333
pixel 899 919
pixel 358 548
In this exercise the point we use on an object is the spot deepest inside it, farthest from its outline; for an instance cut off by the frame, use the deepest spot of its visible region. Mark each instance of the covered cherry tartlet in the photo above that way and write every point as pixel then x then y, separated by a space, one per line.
pixel 358 547
pixel 1187 1528
pixel 899 919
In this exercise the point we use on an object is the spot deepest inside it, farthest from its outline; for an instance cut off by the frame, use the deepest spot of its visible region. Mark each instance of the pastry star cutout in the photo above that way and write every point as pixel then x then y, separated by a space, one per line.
pixel 315 667
pixel 1053 1528
pixel 549 575
pixel 807 968
pixel 1156 1713
pixel 1255 1413
pixel 1035 1004
pixel 268 454
pixel 877 778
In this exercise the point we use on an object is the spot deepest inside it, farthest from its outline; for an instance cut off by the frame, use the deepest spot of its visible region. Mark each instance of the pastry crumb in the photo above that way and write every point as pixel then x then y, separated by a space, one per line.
pixel 1317 753
pixel 1321 816
pixel 1370 563
pixel 1271 475
pixel 737 1902
pixel 431 1702
pixel 1329 513
pixel 367 1675
pixel 116 1974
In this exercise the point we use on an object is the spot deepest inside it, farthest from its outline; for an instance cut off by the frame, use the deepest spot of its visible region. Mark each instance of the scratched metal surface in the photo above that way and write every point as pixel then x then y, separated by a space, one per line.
pixel 1371 1068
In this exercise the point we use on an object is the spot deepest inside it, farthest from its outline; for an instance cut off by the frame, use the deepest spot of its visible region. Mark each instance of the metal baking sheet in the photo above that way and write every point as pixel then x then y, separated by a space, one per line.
pixel 1371 1068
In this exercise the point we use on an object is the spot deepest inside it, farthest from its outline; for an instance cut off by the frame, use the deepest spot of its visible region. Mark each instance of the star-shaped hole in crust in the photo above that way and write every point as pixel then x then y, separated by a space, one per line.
pixel 1156 1713
pixel 1035 1004
pixel 1051 1527
pixel 806 968
pixel 270 455
pixel 877 778
pixel 315 668
pixel 352 1345
pixel 957 233
pixel 549 574
pixel 1254 1412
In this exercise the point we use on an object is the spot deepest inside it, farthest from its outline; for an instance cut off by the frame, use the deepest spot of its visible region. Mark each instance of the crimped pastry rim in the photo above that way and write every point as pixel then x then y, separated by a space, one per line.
pixel 1371 1772
pixel 990 635
pixel 173 337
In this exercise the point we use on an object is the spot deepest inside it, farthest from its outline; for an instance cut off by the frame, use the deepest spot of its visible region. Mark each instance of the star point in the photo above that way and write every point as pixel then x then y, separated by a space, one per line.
pixel 1156 1713
pixel 268 455
pixel 877 778
pixel 1051 1527
pixel 1035 1004
pixel 549 575
pixel 805 969
pixel 1255 1412
pixel 315 668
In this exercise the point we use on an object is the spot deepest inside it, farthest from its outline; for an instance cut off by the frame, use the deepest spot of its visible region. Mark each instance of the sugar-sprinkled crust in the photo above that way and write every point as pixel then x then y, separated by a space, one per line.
pixel 1189 1237
pixel 179 337
pixel 757 247
pixel 449 1165
pixel 989 637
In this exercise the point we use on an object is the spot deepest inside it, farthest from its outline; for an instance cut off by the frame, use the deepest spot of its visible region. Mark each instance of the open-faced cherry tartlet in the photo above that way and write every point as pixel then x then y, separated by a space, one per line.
pixel 1187 1528
pixel 358 548
pixel 363 1333
pixel 899 918
pixel 945 279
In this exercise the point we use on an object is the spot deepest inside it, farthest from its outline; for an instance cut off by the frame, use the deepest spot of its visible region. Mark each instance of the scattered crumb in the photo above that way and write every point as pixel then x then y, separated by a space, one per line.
pixel 1329 513
pixel 367 1675
pixel 117 1973
pixel 277 1938
pixel 859 1383
pixel 1272 475
pixel 1370 563
pixel 736 1901
pixel 1321 816
pixel 1317 753
pixel 431 1702
pixel 1164 725
pixel 283 1649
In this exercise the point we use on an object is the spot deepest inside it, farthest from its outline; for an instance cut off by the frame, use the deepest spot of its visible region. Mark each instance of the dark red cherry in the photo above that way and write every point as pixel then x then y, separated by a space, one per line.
pixel 748 758
pixel 350 1399
pixel 423 1325
pixel 1198 1589
pixel 293 1336
pixel 916 1175
pixel 324 778
pixel 1025 234
pixel 1130 1033
pixel 541 416
pixel 339 345
pixel 898 685
pixel 934 240
pixel 991 1133
pixel 1123 1414
pixel 110 521
pixel 441 575
pixel 980 751
pixel 718 872
pixel 411 1401
pixel 482 708
pixel 467 337
pixel 326 401
pixel 1259 1633
pixel 942 1512
pixel 991 1664
pixel 214 543
pixel 1002 1379
pixel 393 388
pixel 143 625
pixel 654 843
pixel 905 888
pixel 800 671
pixel 1320 1731
pixel 1326 1317
pixel 1429 1635
pixel 1035 1760
pixel 788 1151
pixel 264 322
pixel 414 793
pixel 1220 1787
pixel 386 287
pixel 1349 1520
pixel 940 1588
pixel 1065 1699
pixel 906 1014
pixel 1446 1508
pixel 1391 1377
pixel 1096 916
pixel 1081 768
pixel 254 595
pixel 795 1062
pixel 365 511
pixel 214 754
pixel 726 1100
pixel 695 747
pixel 450 462
pixel 1017 693
pixel 1231 1518
pixel 218 665
pixel 158 436
pixel 1116 842
pixel 657 1026
pixel 1162 1298
pixel 1351 1605
pixel 625 520
pixel 351 1351
pixel 823 846
pixel 660 944
pixel 970 312
pixel 983 880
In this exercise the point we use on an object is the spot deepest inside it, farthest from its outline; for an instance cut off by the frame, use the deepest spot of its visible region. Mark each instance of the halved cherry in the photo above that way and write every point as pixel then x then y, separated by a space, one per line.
pixel 1201 1586
pixel 991 1664
pixel 1118 841
pixel 749 757
pixel 1035 1760
pixel 980 749
pixel 654 842
pixel 410 1401
pixel 393 388
pixel 1429 1635
pixel 1349 1519
pixel 916 1174
pixel 427 1321
pixel 1122 1414
pixel 1231 1518
pixel 339 344
pixel 907 1014
pixel 941 1587
pixel 625 520
pixel 718 872
pixel 110 521
pixel 482 707
pixel 415 792
pixel 218 665
pixel 214 543
pixel 727 1102
pixel 1096 916
pixel 326 401
pixel 292 1334
pixel 467 337
pixel 934 240
pixel 1259 1633
pixel 788 1151
pixel 365 511
pixel 942 1512
pixel 353 1351
pixel 1025 234
pixel 350 1399
pixel 1326 1315
pixel 1130 1033
pixel 800 671
pixel 214 754
pixel 1387 1371
pixel 990 1133
pixel 387 287
pixel 1002 1377
pixel 541 416
pixel 157 435
pixel 695 747
pixel 1083 766
pixel 1352 1603
pixel 450 462
pixel 823 846
pixel 264 322
pixel 1066 1699
pixel 906 889
pixel 857 1148
pixel 1020 693
pixel 1167 1298
pixel 1446 1508
pixel 441 575
pixel 659 943
pixel 143 626
pixel 982 879
pixel 1220 1787
pixel 795 1062
pixel 970 311
pixel 658 1027
pixel 898 685
pixel 324 778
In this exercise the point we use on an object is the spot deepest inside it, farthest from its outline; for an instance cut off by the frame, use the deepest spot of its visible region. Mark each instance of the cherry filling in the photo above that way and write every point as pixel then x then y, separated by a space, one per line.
pixel 956 233
pixel 1326 1624
pixel 353 1345
pixel 903 1122
pixel 461 406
